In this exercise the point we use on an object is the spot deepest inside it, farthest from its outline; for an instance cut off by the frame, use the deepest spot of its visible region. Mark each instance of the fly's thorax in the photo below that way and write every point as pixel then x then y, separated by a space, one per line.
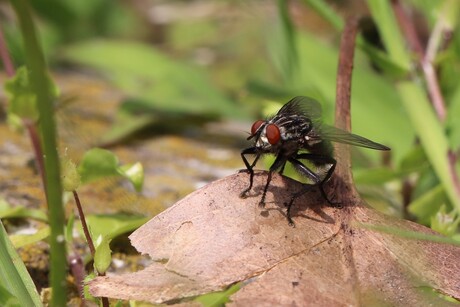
pixel 293 127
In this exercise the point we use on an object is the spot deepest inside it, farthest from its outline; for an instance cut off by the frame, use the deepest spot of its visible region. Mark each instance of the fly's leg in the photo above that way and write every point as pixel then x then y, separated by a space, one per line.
pixel 304 170
pixel 280 162
pixel 322 159
pixel 307 172
pixel 282 169
pixel 249 168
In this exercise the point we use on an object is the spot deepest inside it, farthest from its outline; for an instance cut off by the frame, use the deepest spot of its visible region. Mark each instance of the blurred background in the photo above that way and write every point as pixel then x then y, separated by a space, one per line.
pixel 177 84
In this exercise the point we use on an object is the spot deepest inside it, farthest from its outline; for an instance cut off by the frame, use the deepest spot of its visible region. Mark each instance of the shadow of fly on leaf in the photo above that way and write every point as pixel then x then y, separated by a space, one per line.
pixel 295 134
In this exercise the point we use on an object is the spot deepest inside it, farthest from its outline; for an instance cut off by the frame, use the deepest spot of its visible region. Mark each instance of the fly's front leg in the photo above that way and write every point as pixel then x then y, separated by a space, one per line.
pixel 249 167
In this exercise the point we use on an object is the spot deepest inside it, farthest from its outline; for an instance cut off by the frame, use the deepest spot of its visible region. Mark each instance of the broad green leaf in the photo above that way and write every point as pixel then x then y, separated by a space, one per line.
pixel 13 273
pixel 97 163
pixel 126 124
pixel 134 173
pixel 21 95
pixel 217 299
pixel 8 211
pixel 86 293
pixel 431 134
pixel 113 225
pixel 143 72
pixel 22 98
pixel 103 254
pixel 414 160
pixel 425 206
pixel 375 175
pixel 23 240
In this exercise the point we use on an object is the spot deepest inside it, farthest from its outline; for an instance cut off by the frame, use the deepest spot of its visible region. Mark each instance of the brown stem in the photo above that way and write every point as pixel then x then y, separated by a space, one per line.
pixel 78 271
pixel 105 301
pixel 408 29
pixel 5 56
pixel 426 63
pixel 37 147
pixel 83 224
pixel 452 158
pixel 343 94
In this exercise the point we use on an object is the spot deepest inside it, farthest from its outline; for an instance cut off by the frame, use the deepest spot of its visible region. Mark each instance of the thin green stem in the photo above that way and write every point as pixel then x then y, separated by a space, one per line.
pixel 39 79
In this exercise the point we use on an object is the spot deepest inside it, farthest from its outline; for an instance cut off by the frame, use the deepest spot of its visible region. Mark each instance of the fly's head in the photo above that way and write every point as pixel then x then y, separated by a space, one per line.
pixel 279 132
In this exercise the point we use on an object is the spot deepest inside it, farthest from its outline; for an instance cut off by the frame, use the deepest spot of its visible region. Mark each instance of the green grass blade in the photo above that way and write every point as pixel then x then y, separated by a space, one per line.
pixel 414 235
pixel 325 11
pixel 40 82
pixel 389 30
pixel 431 134
pixel 13 273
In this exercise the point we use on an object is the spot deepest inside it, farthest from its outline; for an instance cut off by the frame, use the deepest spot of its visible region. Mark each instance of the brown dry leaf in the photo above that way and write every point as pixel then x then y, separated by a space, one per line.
pixel 212 239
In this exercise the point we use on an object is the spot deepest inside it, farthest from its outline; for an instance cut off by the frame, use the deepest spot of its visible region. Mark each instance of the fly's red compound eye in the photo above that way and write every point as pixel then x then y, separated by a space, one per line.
pixel 273 134
pixel 256 126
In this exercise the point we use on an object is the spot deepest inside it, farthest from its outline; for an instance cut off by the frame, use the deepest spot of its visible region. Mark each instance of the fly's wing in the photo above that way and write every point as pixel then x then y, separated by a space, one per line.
pixel 340 136
pixel 303 106
pixel 311 109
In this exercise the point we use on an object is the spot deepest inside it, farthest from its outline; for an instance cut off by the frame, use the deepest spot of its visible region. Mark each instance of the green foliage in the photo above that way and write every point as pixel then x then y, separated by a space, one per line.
pixel 219 298
pixel 392 38
pixel 70 176
pixel 374 99
pixel 160 83
pixel 21 96
pixel 159 86
pixel 24 240
pixel 110 226
pixel 414 235
pixel 102 256
pixel 63 22
pixel 134 173
pixel 99 163
pixel 42 88
pixel 388 105
pixel 15 282
pixel 445 223
pixel 7 299
pixel 9 211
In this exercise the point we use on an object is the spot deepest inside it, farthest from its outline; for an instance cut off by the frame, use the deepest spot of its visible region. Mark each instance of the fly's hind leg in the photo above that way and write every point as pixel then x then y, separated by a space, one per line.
pixel 304 170
pixel 321 159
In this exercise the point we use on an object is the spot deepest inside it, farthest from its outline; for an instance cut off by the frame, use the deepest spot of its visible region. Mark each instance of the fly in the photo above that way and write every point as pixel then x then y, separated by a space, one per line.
pixel 296 134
